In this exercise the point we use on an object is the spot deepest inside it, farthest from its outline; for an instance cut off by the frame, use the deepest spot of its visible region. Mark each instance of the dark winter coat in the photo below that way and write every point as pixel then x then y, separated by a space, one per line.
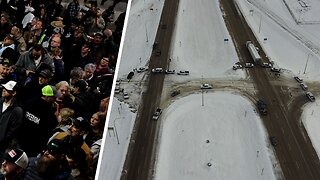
pixel 38 123
pixel 10 123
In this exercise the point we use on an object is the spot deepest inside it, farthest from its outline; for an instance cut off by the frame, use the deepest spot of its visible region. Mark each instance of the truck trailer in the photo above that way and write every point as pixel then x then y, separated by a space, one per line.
pixel 253 51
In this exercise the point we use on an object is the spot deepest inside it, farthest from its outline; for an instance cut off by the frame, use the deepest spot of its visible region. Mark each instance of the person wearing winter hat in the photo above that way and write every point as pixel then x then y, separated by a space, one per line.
pixel 14 164
pixel 50 164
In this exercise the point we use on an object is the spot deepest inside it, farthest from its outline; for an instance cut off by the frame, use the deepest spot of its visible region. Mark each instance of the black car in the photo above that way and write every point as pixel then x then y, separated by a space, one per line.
pixel 273 141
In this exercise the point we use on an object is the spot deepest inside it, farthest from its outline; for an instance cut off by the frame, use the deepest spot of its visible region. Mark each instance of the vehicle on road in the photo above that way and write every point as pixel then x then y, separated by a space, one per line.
pixel 206 86
pixel 275 69
pixel 142 69
pixel 262 107
pixel 299 80
pixel 266 65
pixel 175 93
pixel 248 65
pixel 304 86
pixel 183 73
pixel 236 66
pixel 274 141
pixel 157 114
pixel 117 89
pixel 253 51
pixel 310 96
pixel 157 70
pixel 125 95
pixel 170 71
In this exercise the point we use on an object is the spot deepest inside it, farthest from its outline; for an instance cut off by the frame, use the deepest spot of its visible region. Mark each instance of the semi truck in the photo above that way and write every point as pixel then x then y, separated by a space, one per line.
pixel 253 52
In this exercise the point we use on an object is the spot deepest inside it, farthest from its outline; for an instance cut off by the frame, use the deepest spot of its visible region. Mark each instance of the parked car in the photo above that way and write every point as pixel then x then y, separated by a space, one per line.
pixel 175 93
pixel 310 96
pixel 157 70
pixel 183 73
pixel 206 86
pixel 157 114
pixel 248 65
pixel 299 80
pixel 236 66
pixel 125 95
pixel 118 82
pixel 170 71
pixel 274 141
pixel 304 86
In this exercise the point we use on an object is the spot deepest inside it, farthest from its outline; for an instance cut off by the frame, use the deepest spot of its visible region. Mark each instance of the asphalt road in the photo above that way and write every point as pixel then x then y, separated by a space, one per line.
pixel 297 157
pixel 140 162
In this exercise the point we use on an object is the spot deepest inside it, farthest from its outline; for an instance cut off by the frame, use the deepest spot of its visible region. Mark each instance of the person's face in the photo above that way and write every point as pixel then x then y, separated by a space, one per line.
pixel 104 62
pixel 63 90
pixel 8 168
pixel 55 42
pixel 77 34
pixel 7 41
pixel 88 73
pixel 14 30
pixel 85 49
pixel 4 70
pixel 38 25
pixel 94 121
pixel 6 93
pixel 97 39
pixel 74 131
pixel 43 81
pixel 3 20
pixel 36 54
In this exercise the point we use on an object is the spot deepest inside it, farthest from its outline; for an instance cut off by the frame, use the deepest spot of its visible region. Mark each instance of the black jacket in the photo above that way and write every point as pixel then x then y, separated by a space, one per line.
pixel 10 123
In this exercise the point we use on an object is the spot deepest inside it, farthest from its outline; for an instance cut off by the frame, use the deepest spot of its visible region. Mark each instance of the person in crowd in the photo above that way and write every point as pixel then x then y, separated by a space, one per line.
pixel 93 20
pixel 5 25
pixel 64 95
pixel 97 123
pixel 51 164
pixel 79 166
pixel 56 55
pixel 21 45
pixel 11 116
pixel 98 49
pixel 7 47
pixel 64 120
pixel 89 76
pixel 34 34
pixel 74 138
pixel 76 74
pixel 6 71
pixel 33 61
pixel 72 11
pixel 39 121
pixel 14 164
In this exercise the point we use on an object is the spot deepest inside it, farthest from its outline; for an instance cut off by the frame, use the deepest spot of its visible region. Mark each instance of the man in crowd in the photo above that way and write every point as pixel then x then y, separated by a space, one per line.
pixel 11 116
pixel 39 121
pixel 14 164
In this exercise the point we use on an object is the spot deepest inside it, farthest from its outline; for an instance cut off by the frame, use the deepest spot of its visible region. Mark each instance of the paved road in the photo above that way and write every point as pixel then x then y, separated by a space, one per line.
pixel 297 157
pixel 140 157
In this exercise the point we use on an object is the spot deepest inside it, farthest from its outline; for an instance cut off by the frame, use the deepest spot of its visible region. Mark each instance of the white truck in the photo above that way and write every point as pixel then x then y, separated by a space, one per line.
pixel 253 52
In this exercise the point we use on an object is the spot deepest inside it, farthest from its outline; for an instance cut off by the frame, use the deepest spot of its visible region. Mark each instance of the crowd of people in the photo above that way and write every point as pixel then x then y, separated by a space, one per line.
pixel 57 63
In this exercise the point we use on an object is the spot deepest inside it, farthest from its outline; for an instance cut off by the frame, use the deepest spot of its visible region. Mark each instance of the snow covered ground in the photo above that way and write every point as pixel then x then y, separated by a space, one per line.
pixel 238 146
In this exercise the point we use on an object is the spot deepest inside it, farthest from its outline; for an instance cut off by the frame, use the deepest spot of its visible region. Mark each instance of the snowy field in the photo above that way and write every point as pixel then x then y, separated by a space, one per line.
pixel 238 147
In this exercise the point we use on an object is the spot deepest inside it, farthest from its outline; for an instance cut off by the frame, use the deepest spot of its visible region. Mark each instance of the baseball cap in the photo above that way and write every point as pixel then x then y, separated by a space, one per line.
pixel 9 85
pixel 98 33
pixel 56 146
pixel 49 90
pixel 81 123
pixel 46 73
pixel 5 62
pixel 18 157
